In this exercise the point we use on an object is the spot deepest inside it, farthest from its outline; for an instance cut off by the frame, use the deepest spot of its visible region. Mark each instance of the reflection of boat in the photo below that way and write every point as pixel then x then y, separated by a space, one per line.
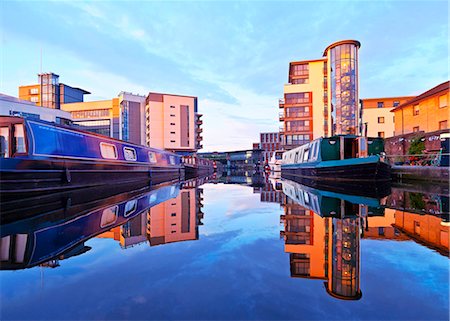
pixel 328 203
pixel 40 238
pixel 38 157
pixel 345 158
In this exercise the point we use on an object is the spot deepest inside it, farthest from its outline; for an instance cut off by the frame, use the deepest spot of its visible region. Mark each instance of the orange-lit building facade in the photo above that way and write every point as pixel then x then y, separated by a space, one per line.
pixel 321 97
pixel 50 93
pixel 428 112
pixel 173 123
pixel 377 119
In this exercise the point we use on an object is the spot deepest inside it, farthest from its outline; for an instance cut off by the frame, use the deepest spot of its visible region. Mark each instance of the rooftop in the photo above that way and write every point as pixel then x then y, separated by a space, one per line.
pixel 444 87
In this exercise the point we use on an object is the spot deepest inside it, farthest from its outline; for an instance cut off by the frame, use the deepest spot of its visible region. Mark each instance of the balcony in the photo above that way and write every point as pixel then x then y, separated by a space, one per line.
pixel 281 116
pixel 281 103
pixel 199 122
pixel 199 138
pixel 199 130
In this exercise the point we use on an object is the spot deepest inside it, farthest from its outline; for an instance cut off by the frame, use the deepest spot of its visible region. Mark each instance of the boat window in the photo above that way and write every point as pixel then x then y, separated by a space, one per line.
pixel 172 160
pixel 21 245
pixel 305 155
pixel 108 150
pixel 109 216
pixel 278 156
pixel 130 207
pixel 313 151
pixel 152 157
pixel 5 243
pixel 19 138
pixel 4 142
pixel 129 153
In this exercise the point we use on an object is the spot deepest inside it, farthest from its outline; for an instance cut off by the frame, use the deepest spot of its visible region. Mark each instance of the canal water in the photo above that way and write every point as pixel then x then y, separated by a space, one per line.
pixel 233 247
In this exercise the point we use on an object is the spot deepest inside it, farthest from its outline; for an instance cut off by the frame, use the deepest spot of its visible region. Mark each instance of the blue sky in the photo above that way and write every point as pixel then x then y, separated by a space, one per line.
pixel 233 55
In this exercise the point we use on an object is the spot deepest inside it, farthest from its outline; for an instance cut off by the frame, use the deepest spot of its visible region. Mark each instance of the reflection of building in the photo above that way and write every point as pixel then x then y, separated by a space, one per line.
pixel 427 112
pixel 173 123
pixel 381 227
pixel 429 230
pixel 325 248
pixel 321 97
pixel 269 142
pixel 49 92
pixel 377 116
pixel 269 194
pixel 174 220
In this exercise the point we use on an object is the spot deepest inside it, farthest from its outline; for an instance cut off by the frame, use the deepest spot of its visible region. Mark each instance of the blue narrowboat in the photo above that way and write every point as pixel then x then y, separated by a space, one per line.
pixel 38 156
pixel 342 158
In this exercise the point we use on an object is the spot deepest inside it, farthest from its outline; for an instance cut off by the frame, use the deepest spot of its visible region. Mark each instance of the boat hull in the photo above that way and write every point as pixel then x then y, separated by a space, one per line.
pixel 20 177
pixel 363 172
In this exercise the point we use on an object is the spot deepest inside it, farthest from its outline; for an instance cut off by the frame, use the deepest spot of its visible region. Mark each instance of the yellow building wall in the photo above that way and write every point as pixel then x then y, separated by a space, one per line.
pixel 25 93
pixel 371 112
pixel 315 86
pixel 430 114
pixel 92 105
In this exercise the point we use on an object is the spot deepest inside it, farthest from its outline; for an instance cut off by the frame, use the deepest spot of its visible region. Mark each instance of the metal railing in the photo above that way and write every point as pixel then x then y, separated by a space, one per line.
pixel 428 159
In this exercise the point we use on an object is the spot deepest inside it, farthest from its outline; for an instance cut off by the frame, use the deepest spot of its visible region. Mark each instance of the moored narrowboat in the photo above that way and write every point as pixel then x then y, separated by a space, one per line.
pixel 343 158
pixel 38 157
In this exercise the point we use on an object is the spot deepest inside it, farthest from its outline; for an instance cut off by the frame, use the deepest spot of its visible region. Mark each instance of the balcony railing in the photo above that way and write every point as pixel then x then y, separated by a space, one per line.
pixel 281 116
pixel 281 101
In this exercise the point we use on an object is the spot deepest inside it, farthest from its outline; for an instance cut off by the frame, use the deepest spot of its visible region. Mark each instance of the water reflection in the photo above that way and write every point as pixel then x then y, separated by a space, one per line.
pixel 323 228
pixel 50 232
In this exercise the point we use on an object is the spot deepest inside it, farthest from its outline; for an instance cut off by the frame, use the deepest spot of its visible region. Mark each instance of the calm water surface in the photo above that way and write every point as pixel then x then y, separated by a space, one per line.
pixel 230 248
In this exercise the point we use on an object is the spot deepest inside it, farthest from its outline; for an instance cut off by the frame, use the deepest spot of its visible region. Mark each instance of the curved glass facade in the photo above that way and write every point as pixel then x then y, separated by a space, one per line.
pixel 343 60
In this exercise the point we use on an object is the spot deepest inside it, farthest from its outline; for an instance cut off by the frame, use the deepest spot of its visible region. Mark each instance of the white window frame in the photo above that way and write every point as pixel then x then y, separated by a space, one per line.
pixel 152 157
pixel 108 145
pixel 132 150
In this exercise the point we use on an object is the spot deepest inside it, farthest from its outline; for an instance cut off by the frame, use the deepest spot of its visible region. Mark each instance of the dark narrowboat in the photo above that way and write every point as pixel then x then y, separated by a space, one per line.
pixel 61 233
pixel 343 158
pixel 38 157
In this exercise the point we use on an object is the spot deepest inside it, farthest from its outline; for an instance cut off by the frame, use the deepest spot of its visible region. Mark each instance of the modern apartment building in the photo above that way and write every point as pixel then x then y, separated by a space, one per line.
pixel 49 92
pixel 132 118
pixel 101 117
pixel 173 123
pixel 269 143
pixel 377 119
pixel 321 97
pixel 428 112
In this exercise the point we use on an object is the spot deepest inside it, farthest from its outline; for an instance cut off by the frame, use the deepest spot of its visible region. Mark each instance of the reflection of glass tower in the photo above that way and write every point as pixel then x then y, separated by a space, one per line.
pixel 343 67
pixel 325 248
pixel 344 280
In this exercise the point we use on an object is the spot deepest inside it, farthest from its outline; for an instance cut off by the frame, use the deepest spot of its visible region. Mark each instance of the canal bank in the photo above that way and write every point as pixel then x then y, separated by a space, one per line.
pixel 421 173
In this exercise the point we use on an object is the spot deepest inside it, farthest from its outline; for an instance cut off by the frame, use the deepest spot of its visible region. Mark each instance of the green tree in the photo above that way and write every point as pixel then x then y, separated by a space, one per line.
pixel 417 146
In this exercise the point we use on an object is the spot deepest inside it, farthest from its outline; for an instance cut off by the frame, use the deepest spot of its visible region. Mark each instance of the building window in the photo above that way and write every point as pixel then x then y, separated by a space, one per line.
pixel 380 104
pixel 172 132
pixel 443 101
pixel 19 139
pixel 381 134
pixel 297 98
pixel 396 103
pixel 416 110
pixel 172 106
pixel 173 214
pixel 173 124
pixel 443 124
pixel 380 120
pixel 172 115
pixel 34 99
pixel 172 141
pixel 416 129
